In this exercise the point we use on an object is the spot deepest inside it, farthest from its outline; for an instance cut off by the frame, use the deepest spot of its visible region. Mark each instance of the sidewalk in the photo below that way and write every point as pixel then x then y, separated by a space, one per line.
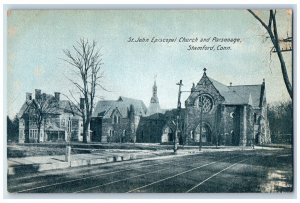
pixel 43 163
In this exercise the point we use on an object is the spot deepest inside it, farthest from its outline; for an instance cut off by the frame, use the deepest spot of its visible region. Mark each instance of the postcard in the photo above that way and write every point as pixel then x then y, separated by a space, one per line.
pixel 150 101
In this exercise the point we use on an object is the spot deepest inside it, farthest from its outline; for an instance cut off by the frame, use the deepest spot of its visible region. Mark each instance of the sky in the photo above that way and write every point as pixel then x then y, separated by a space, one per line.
pixel 36 40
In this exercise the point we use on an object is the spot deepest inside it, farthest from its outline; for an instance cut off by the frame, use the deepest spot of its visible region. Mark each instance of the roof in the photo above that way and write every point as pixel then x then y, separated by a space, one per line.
pixel 61 106
pixel 240 94
pixel 219 86
pixel 105 108
pixel 246 91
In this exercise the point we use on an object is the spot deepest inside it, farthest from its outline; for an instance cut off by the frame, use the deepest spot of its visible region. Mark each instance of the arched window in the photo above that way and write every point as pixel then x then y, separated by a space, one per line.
pixel 111 133
pixel 255 118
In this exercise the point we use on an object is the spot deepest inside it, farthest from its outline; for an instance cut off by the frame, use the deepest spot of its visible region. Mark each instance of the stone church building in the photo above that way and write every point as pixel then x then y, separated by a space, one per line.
pixel 230 115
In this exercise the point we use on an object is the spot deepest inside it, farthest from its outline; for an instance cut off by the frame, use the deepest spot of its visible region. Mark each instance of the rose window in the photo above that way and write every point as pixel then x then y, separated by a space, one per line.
pixel 207 103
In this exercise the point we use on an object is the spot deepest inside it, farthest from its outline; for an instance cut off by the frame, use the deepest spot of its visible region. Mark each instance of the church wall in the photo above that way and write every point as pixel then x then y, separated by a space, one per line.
pixel 193 120
pixel 230 126
pixel 250 126
pixel 117 130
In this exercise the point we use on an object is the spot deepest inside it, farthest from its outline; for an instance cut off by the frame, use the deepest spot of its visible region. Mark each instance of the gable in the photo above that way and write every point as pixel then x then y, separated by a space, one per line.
pixel 231 95
pixel 105 108
pixel 116 112
pixel 206 86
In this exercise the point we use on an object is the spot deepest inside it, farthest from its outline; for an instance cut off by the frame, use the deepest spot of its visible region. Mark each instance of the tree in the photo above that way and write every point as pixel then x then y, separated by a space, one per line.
pixel 43 107
pixel 280 116
pixel 12 129
pixel 272 31
pixel 86 62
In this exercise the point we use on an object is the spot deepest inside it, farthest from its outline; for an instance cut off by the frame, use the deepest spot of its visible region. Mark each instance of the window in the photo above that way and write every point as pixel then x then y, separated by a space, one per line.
pixel 69 125
pixel 111 133
pixel 116 119
pixel 205 102
pixel 33 133
pixel 255 118
pixel 63 122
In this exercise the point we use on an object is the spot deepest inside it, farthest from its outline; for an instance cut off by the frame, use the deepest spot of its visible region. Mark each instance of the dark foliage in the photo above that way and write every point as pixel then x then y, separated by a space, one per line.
pixel 12 129
pixel 281 122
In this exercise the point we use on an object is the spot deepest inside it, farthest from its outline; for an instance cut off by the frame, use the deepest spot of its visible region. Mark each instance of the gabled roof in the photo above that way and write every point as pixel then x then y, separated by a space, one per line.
pixel 62 106
pixel 106 107
pixel 240 94
pixel 245 91
pixel 219 86
pixel 24 108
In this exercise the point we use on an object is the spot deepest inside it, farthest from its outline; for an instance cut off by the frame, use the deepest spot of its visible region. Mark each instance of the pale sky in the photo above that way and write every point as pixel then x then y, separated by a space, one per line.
pixel 35 40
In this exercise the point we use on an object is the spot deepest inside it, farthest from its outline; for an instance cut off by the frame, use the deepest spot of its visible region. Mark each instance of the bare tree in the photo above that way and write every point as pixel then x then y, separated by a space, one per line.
pixel 86 62
pixel 272 31
pixel 43 107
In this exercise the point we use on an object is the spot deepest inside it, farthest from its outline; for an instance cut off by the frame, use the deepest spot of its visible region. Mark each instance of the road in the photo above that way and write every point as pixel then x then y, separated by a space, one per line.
pixel 209 172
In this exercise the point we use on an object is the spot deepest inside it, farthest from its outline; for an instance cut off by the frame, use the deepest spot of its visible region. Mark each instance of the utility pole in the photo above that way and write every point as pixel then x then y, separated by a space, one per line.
pixel 200 125
pixel 178 113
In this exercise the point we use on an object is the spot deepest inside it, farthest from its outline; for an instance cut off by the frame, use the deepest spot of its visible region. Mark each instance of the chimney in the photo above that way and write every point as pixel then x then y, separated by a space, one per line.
pixel 28 96
pixel 230 84
pixel 57 95
pixel 81 103
pixel 38 94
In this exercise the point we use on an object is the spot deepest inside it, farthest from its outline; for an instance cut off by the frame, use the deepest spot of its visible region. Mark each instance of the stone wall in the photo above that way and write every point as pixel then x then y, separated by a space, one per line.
pixel 116 132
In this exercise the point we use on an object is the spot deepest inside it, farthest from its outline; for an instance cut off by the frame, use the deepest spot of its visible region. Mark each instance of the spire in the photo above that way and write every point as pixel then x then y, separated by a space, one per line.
pixel 204 69
pixel 154 98
pixel 154 103
pixel 154 90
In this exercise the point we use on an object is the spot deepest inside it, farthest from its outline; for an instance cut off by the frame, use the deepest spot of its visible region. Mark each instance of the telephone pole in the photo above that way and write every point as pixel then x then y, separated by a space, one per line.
pixel 178 114
pixel 200 125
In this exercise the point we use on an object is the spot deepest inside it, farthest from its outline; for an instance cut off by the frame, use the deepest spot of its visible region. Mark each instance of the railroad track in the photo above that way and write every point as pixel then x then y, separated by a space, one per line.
pixel 154 168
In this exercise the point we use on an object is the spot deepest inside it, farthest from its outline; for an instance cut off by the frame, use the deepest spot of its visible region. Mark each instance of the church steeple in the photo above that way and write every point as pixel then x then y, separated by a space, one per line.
pixel 154 98
pixel 154 103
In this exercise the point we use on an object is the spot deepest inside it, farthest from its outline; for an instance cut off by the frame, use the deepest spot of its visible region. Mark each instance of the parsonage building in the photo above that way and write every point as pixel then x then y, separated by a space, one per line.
pixel 47 118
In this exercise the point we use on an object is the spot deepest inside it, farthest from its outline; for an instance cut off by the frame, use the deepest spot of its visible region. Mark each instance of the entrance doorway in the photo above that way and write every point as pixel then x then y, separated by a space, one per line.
pixel 205 133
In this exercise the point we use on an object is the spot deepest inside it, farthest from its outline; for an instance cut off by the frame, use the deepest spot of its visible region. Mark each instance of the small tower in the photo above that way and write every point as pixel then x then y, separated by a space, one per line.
pixel 154 103
pixel 154 98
